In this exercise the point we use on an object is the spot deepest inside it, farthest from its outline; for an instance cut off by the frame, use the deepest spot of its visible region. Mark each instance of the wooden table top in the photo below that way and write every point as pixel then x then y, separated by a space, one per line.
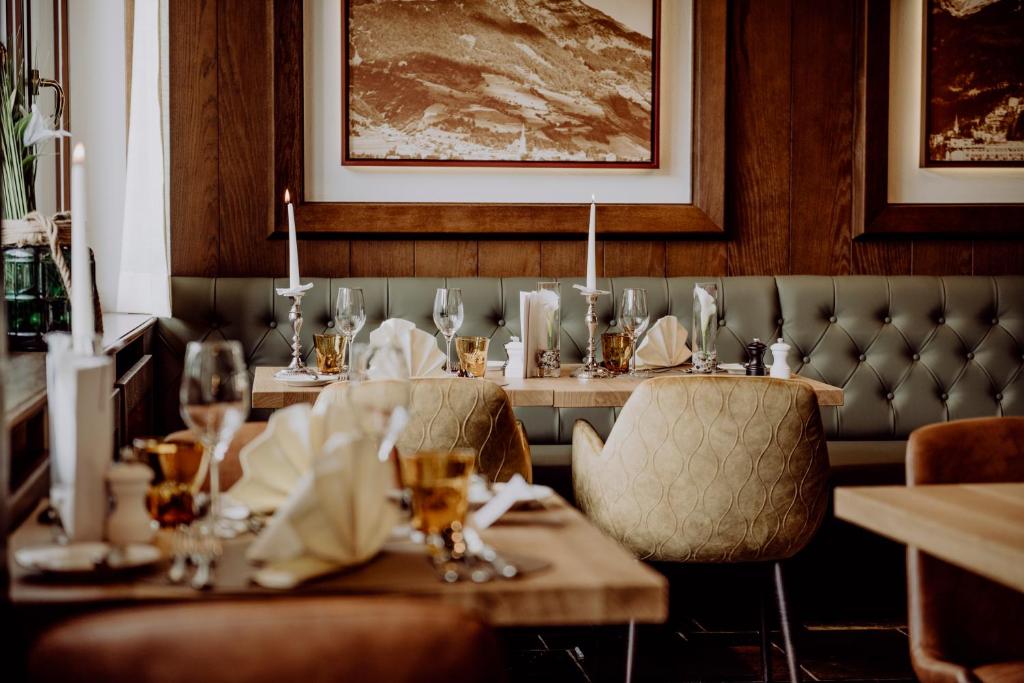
pixel 591 580
pixel 979 527
pixel 560 392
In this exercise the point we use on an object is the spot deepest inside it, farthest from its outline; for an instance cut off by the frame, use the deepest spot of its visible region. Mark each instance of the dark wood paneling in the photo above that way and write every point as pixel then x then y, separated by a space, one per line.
pixel 946 257
pixel 695 258
pixel 444 258
pixel 634 257
pixel 509 258
pixel 822 137
pixel 789 147
pixel 759 148
pixel 382 258
pixel 195 195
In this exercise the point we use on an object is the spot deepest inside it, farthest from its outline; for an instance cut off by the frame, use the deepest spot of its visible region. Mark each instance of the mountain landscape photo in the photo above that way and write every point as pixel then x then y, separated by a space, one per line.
pixel 529 82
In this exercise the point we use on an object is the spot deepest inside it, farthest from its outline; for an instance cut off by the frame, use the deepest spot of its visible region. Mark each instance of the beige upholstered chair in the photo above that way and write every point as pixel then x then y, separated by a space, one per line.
pixel 446 413
pixel 709 469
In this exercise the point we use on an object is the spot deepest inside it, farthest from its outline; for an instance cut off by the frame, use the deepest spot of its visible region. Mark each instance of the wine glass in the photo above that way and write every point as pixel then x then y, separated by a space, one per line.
pixel 214 404
pixel 448 315
pixel 350 316
pixel 634 318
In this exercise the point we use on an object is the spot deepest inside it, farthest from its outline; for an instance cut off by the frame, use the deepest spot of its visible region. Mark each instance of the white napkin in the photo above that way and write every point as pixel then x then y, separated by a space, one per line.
pixel 536 313
pixel 418 348
pixel 338 516
pixel 664 346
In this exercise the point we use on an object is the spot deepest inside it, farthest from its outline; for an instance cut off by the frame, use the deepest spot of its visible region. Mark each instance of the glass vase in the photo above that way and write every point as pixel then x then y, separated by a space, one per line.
pixel 549 357
pixel 705 327
pixel 35 298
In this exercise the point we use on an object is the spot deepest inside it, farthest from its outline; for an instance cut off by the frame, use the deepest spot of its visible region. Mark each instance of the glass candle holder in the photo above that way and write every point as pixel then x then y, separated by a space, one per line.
pixel 705 327
pixel 549 357
pixel 330 350
pixel 472 352
pixel 616 351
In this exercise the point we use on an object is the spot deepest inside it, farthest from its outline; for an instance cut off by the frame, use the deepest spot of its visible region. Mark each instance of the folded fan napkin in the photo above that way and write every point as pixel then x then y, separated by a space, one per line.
pixel 664 346
pixel 338 516
pixel 419 349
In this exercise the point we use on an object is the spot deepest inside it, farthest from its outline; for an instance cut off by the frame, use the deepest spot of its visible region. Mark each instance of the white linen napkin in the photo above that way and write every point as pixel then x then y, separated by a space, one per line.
pixel 338 516
pixel 664 346
pixel 418 348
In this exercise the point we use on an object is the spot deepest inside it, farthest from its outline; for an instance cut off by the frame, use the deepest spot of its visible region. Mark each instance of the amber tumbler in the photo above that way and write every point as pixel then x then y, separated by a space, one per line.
pixel 179 469
pixel 330 350
pixel 616 351
pixel 473 354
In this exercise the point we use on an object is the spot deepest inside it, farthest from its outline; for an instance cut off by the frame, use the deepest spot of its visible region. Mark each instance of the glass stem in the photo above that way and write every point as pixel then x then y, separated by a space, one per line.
pixel 214 484
pixel 632 354
pixel 348 356
pixel 448 353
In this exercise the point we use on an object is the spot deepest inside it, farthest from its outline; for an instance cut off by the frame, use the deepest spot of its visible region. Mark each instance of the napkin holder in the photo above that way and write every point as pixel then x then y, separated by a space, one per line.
pixel 81 416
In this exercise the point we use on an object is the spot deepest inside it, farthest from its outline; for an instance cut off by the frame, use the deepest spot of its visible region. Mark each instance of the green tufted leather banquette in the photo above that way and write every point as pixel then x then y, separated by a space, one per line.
pixel 908 351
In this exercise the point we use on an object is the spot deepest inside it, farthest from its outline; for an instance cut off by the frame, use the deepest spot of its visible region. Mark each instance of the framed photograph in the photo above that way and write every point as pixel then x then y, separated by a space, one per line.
pixel 974 83
pixel 501 83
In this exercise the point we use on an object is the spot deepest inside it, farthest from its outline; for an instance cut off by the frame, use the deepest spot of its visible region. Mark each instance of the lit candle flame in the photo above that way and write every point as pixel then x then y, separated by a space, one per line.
pixel 287 197
pixel 78 155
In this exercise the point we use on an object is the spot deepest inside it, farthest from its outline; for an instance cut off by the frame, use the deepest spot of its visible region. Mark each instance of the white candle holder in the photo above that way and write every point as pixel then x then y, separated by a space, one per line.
pixel 591 369
pixel 297 369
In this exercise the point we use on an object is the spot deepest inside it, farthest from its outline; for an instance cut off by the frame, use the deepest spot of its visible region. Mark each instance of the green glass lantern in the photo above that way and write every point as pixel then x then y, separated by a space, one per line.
pixel 36 300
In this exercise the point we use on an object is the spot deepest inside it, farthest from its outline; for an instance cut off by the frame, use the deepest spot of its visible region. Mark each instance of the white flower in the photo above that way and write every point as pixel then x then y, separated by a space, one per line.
pixel 39 129
pixel 708 309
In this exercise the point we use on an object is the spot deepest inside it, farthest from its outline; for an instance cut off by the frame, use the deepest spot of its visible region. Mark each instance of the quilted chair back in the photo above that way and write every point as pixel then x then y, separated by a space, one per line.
pixel 448 413
pixel 707 469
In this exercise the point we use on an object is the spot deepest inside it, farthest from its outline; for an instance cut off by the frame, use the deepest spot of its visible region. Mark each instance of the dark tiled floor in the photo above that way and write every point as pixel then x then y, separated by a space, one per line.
pixel 685 652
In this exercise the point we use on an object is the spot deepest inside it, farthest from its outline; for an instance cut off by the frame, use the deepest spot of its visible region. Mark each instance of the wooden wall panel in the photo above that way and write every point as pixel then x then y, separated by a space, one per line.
pixel 789 129
pixel 758 175
pixel 195 195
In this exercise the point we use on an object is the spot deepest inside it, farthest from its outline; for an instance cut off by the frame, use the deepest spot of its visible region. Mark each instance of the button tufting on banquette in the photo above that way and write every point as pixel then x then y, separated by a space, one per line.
pixel 908 351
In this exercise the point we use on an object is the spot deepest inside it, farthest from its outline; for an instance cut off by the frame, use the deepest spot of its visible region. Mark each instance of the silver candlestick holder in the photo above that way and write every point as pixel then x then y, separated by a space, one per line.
pixel 591 369
pixel 297 369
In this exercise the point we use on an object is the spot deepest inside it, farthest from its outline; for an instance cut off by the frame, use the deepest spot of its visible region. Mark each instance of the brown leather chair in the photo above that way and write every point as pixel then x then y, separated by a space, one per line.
pixel 328 640
pixel 964 628
pixel 710 469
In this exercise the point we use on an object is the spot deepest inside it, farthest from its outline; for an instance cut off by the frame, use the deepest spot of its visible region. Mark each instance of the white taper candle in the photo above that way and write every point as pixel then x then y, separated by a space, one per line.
pixel 293 245
pixel 592 246
pixel 83 326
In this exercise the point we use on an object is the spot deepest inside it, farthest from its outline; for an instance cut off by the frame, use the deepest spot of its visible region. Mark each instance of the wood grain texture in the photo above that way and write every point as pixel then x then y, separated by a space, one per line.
pixel 629 258
pixel 945 257
pixel 591 578
pixel 882 258
pixel 759 150
pixel 194 163
pixel 695 258
pixel 509 258
pixel 568 258
pixel 245 58
pixel 978 527
pixel 822 142
pixel 382 258
pixel 998 257
pixel 445 258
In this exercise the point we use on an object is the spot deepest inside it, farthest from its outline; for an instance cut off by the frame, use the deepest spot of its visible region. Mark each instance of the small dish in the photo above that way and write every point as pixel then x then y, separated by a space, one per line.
pixel 733 368
pixel 479 494
pixel 307 381
pixel 86 559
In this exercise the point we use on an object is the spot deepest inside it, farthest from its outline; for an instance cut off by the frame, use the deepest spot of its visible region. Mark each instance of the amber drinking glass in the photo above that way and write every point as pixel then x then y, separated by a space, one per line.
pixel 330 352
pixel 616 351
pixel 179 470
pixel 472 353
pixel 439 484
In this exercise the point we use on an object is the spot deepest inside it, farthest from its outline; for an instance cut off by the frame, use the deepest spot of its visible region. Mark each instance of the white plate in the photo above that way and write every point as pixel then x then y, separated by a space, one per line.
pixel 733 368
pixel 307 381
pixel 85 558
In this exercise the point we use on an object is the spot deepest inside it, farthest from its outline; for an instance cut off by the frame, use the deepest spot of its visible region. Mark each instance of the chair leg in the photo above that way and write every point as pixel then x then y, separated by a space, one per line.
pixel 787 635
pixel 766 644
pixel 630 645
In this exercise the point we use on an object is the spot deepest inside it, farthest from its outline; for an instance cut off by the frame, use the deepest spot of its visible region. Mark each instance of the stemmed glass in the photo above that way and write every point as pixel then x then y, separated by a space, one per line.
pixel 350 316
pixel 634 318
pixel 214 404
pixel 448 314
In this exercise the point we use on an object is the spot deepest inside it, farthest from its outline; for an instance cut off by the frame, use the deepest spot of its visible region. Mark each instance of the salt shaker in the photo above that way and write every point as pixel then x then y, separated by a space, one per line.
pixel 514 364
pixel 129 521
pixel 780 362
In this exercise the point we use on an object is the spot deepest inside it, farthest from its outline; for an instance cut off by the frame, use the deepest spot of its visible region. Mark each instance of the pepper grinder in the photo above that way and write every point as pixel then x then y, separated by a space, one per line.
pixel 129 521
pixel 780 364
pixel 755 358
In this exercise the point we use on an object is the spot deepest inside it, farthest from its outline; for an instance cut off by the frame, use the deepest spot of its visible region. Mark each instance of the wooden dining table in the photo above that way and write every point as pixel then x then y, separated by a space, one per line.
pixel 554 392
pixel 580 576
pixel 978 527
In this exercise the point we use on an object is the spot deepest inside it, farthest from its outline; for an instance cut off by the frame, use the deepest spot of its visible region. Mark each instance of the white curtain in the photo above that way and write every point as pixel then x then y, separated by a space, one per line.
pixel 144 283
